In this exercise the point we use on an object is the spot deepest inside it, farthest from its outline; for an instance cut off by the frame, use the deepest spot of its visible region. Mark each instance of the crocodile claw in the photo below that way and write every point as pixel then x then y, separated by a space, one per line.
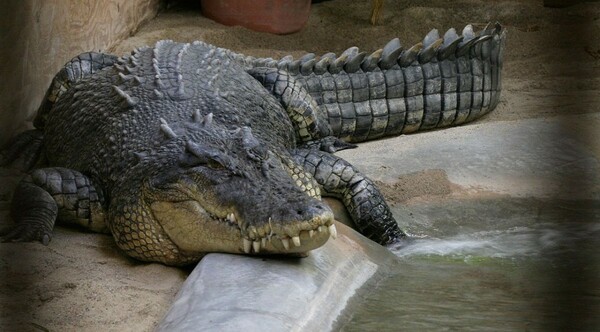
pixel 25 233
pixel 286 243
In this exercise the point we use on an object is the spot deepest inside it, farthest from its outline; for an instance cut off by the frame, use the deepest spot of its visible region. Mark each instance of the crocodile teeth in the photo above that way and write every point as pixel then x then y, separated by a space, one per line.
pixel 256 246
pixel 286 243
pixel 270 229
pixel 263 242
pixel 253 232
pixel 333 231
pixel 321 229
pixel 296 240
pixel 231 218
pixel 311 233
pixel 247 245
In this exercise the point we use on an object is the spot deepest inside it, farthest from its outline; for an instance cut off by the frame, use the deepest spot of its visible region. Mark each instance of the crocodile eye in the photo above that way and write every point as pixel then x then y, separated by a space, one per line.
pixel 215 164
pixel 197 155
pixel 192 160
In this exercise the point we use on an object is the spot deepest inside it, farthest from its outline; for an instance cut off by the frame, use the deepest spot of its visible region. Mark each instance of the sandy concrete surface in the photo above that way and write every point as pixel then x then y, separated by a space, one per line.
pixel 552 70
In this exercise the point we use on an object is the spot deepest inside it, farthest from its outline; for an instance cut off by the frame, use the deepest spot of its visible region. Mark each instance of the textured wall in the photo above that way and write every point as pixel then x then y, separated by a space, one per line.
pixel 39 36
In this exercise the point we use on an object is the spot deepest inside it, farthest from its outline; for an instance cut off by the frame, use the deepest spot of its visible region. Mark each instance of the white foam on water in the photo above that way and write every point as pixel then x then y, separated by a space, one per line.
pixel 516 242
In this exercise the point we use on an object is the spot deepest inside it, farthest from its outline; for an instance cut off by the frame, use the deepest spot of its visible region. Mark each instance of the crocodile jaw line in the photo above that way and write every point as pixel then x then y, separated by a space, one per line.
pixel 193 229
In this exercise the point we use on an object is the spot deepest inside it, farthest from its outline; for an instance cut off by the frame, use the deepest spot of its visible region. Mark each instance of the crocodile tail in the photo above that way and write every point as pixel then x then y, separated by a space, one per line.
pixel 439 82
pixel 73 71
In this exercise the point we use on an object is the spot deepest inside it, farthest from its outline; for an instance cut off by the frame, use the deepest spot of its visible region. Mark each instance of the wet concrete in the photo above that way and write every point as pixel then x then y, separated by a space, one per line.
pixel 233 293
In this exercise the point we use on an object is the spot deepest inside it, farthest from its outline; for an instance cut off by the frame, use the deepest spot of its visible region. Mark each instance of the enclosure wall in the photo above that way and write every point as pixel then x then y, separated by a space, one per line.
pixel 38 37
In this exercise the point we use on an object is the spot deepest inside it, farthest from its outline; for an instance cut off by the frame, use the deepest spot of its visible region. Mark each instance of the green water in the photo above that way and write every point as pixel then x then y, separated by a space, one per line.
pixel 488 265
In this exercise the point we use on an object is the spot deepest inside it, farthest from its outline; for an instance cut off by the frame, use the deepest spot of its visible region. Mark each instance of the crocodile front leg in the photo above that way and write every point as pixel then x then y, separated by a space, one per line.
pixel 50 193
pixel 362 199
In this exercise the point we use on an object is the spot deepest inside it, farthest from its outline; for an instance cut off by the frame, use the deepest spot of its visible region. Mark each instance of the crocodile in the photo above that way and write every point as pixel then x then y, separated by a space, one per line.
pixel 182 149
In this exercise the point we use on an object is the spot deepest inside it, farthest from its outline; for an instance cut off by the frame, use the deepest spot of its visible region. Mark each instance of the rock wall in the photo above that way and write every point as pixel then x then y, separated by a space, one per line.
pixel 38 37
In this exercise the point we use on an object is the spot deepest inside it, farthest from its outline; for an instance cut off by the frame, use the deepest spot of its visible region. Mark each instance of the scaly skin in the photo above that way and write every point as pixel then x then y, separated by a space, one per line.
pixel 184 149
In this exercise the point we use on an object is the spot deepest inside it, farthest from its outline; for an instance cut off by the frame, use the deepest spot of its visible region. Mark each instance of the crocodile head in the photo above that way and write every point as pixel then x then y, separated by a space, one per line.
pixel 224 190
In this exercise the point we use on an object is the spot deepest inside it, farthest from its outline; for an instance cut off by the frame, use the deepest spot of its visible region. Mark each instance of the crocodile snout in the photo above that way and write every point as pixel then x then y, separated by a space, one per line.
pixel 289 228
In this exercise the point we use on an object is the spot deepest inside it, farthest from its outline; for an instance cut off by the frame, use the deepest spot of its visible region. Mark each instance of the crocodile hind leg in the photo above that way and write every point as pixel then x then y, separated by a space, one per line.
pixel 23 150
pixel 78 68
pixel 362 199
pixel 48 193
pixel 309 123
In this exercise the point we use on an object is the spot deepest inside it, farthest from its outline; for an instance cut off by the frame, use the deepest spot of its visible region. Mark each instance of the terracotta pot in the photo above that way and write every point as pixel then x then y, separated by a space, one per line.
pixel 274 16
